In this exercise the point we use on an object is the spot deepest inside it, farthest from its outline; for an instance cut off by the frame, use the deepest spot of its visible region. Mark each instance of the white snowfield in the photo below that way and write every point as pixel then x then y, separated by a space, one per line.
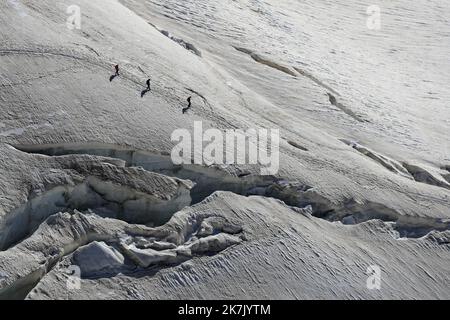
pixel 92 207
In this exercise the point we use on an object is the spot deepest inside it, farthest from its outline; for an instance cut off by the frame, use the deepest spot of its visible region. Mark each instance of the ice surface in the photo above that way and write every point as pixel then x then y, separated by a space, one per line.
pixel 85 169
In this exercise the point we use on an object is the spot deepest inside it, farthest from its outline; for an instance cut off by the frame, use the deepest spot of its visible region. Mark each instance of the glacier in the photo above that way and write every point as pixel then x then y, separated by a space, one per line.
pixel 93 207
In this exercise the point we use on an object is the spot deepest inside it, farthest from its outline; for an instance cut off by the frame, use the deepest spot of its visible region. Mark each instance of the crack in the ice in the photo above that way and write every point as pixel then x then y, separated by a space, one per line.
pixel 151 249
pixel 424 176
pixel 337 104
pixel 148 249
pixel 186 45
pixel 295 72
pixel 291 193
pixel 390 164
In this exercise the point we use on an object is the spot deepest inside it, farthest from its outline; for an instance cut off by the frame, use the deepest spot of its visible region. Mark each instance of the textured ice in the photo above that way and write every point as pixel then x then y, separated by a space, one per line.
pixel 87 180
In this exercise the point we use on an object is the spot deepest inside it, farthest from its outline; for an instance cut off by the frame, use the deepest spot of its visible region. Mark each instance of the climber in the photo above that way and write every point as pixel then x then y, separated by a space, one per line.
pixel 117 69
pixel 148 84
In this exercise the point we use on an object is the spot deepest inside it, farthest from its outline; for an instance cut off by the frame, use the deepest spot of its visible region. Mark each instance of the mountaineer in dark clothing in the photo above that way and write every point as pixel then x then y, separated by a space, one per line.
pixel 144 92
pixel 116 74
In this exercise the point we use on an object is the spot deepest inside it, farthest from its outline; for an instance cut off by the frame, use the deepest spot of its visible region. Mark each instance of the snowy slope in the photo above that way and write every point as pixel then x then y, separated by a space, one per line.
pixel 364 125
